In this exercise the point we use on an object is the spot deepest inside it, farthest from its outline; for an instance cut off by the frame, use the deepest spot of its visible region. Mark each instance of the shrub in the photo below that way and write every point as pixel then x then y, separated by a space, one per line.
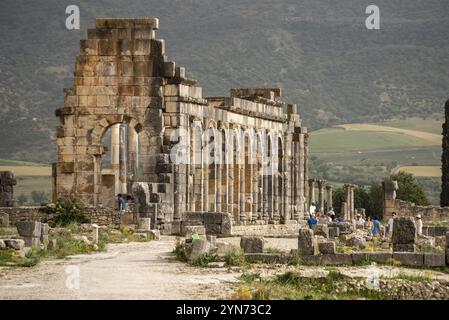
pixel 235 258
pixel 180 252
pixel 204 259
pixel 66 213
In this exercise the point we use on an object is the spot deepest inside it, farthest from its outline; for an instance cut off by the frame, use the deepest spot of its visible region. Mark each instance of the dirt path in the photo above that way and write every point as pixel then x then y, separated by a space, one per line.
pixel 127 271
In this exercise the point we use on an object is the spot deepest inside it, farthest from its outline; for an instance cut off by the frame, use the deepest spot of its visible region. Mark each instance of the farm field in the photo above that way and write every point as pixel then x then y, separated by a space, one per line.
pixel 421 171
pixel 30 177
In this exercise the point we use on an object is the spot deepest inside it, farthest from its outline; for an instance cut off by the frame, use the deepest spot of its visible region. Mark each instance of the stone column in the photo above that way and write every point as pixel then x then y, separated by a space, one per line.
pixel 133 141
pixel 122 160
pixel 311 191
pixel 348 214
pixel 115 154
pixel 321 184
pixel 7 183
pixel 344 210
pixel 329 197
pixel 301 182
pixel 351 203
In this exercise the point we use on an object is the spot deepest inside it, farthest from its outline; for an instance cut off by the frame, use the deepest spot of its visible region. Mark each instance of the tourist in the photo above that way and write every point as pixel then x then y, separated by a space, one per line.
pixel 121 202
pixel 418 224
pixel 312 221
pixel 390 224
pixel 340 219
pixel 376 227
pixel 331 214
pixel 359 221
pixel 312 208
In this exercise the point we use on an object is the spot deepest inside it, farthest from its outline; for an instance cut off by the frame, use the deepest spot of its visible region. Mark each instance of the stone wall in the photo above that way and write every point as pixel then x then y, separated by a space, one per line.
pixel 268 230
pixel 7 183
pixel 100 216
pixel 409 209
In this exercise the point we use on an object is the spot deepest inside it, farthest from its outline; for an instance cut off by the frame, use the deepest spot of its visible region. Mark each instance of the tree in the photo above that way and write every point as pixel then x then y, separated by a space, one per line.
pixel 409 189
pixel 444 196
pixel 375 204
pixel 39 197
pixel 338 196
pixel 22 199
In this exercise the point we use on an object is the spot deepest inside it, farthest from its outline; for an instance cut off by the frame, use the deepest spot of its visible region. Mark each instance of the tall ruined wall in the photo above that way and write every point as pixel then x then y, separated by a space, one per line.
pixel 123 78
pixel 409 209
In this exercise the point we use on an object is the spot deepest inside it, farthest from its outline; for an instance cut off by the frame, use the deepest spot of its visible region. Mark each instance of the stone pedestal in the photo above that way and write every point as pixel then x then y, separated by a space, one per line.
pixel 404 235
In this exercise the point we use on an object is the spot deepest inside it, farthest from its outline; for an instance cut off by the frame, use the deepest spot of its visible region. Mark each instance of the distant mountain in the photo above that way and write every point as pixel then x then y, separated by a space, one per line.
pixel 318 51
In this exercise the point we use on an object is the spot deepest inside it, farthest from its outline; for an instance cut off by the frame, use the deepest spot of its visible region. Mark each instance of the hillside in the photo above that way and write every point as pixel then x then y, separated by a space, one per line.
pixel 319 51
pixel 363 153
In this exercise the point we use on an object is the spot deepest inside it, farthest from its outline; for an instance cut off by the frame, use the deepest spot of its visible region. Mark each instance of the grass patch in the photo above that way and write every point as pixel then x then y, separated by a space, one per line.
pixel 235 258
pixel 204 259
pixel 8 231
pixel 11 258
pixel 291 286
pixel 410 277
pixel 180 252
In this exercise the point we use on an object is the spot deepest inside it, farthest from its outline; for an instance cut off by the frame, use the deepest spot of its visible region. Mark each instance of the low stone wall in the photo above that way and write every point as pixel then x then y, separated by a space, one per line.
pixel 357 258
pixel 289 230
pixel 428 213
pixel 100 216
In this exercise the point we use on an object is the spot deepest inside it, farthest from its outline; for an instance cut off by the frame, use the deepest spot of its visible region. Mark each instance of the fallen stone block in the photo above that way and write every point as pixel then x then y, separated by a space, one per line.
pixel 212 239
pixel 32 241
pixel 358 242
pixel 404 231
pixel 327 247
pixel 311 260
pixel 224 248
pixel 434 259
pixel 334 232
pixel 252 244
pixel 144 224
pixel 15 244
pixel 45 228
pixel 154 235
pixel 336 259
pixel 24 251
pixel 368 257
pixel 198 248
pixel 321 230
pixel 2 244
pixel 305 242
pixel 188 231
pixel 409 258
pixel 52 244
pixel 404 247
pixel 344 227
pixel 142 236
pixel 29 228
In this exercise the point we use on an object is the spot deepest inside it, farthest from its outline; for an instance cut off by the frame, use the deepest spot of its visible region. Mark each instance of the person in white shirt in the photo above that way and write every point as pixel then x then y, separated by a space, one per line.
pixel 390 224
pixel 418 223
pixel 359 221
pixel 312 208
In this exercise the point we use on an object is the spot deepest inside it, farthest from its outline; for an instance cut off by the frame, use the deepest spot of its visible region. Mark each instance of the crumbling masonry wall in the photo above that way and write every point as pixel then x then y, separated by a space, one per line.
pixel 125 82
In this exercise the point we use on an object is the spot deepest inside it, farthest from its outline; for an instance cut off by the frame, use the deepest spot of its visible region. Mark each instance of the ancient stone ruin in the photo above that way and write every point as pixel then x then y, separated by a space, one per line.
pixel 134 124
pixel 7 183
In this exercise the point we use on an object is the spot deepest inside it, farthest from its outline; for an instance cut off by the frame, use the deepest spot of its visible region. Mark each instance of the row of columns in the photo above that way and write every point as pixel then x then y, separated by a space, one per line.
pixel 324 200
pixel 241 187
pixel 348 205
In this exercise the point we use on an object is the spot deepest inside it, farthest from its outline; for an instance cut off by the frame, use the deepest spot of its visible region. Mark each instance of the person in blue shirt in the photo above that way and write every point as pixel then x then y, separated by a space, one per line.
pixel 340 219
pixel 121 202
pixel 312 221
pixel 376 227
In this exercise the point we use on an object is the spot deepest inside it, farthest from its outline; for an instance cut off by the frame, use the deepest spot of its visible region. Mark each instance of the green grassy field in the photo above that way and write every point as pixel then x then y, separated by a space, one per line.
pixel 360 153
pixel 30 177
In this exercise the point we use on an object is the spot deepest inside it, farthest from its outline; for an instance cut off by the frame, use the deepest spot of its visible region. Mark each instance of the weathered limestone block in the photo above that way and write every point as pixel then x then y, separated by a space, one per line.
pixel 327 247
pixel 144 224
pixel 252 244
pixel 188 231
pixel 154 235
pixel 2 244
pixel 334 232
pixel 197 248
pixel 368 257
pixel 434 259
pixel 409 258
pixel 344 227
pixel 404 235
pixel 29 228
pixel 336 259
pixel 321 230
pixel 358 242
pixel 305 242
pixel 15 244
pixel 224 248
